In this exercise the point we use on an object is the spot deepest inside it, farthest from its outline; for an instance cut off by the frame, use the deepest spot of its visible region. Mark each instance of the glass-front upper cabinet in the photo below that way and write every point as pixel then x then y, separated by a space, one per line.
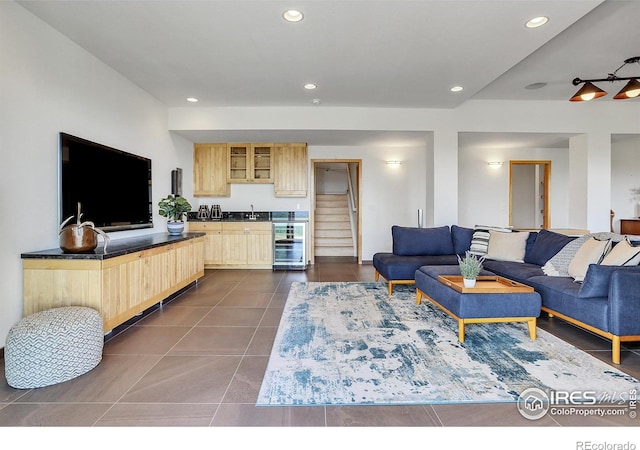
pixel 250 163
pixel 262 163
pixel 238 158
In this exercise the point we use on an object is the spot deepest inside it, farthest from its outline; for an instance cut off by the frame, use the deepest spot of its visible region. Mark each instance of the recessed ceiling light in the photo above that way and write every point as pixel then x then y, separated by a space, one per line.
pixel 537 22
pixel 533 86
pixel 310 86
pixel 292 15
pixel 456 89
pixel 192 99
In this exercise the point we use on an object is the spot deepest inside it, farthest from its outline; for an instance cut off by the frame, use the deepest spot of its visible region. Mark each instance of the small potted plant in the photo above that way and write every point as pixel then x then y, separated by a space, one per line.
pixel 174 208
pixel 470 267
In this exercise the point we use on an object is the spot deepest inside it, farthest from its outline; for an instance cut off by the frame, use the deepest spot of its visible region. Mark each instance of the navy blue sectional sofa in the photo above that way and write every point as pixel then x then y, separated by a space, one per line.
pixel 606 302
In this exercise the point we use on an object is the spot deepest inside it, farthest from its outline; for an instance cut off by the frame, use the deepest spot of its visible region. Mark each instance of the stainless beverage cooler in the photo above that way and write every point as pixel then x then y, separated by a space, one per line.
pixel 289 245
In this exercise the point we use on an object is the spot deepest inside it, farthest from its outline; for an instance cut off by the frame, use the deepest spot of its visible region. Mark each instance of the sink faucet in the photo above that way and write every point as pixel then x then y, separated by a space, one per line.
pixel 252 216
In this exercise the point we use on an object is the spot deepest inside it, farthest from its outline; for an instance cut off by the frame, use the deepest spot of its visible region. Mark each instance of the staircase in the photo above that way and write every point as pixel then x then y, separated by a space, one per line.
pixel 332 234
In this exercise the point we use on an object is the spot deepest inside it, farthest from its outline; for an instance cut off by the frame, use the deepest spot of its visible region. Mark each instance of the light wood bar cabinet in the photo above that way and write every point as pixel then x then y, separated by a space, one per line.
pixel 132 276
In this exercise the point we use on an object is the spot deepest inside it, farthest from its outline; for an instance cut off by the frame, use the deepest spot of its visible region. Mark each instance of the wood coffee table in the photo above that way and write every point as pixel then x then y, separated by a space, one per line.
pixel 493 299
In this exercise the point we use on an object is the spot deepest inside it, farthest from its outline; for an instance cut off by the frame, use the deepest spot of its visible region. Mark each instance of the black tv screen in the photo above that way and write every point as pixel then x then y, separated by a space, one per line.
pixel 112 186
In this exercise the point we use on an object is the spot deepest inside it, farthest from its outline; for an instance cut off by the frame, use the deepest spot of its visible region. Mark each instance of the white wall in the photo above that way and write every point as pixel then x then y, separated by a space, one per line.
pixel 49 85
pixel 332 180
pixel 261 196
pixel 484 191
pixel 625 175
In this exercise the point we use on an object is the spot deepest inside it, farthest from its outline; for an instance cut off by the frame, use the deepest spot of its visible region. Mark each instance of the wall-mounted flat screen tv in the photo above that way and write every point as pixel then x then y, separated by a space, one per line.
pixel 112 186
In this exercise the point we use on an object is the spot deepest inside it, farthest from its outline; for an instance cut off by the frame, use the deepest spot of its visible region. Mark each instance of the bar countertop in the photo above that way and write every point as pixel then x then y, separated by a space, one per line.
pixel 115 247
pixel 259 216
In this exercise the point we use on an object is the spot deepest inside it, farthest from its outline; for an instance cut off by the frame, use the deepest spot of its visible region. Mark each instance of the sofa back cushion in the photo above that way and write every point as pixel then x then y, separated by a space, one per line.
pixel 531 240
pixel 410 241
pixel 596 281
pixel 546 245
pixel 461 237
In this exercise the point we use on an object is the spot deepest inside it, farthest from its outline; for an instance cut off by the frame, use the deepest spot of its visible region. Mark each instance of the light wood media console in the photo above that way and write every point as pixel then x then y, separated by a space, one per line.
pixel 133 275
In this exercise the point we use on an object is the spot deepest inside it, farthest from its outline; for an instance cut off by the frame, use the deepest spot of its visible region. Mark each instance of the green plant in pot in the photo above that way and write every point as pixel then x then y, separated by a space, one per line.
pixel 174 208
pixel 470 267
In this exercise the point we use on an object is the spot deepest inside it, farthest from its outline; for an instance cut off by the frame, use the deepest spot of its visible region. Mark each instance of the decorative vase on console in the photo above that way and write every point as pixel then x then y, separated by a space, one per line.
pixel 174 208
pixel 80 237
pixel 470 267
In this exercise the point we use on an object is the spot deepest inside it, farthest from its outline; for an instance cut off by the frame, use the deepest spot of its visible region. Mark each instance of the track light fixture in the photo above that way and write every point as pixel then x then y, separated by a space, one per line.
pixel 589 91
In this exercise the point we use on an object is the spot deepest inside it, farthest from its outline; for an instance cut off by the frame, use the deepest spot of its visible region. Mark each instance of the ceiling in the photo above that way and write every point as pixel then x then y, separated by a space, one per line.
pixel 373 53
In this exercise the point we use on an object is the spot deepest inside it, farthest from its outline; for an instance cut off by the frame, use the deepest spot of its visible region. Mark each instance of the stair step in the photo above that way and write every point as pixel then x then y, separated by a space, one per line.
pixel 330 196
pixel 332 225
pixel 333 218
pixel 331 205
pixel 333 232
pixel 332 211
pixel 334 251
pixel 333 242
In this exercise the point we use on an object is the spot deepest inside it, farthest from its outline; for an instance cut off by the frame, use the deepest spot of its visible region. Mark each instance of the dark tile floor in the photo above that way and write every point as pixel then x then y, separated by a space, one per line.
pixel 199 360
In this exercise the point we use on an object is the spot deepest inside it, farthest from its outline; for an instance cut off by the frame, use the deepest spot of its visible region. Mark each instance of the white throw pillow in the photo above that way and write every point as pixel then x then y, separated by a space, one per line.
pixel 622 254
pixel 507 246
pixel 591 252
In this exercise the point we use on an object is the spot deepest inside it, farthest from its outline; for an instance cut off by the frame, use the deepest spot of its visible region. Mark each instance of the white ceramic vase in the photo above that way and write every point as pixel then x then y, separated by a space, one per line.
pixel 469 283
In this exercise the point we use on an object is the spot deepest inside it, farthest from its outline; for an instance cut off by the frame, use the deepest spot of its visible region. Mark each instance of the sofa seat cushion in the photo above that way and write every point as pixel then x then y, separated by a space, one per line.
pixel 409 241
pixel 397 267
pixel 560 294
pixel 520 272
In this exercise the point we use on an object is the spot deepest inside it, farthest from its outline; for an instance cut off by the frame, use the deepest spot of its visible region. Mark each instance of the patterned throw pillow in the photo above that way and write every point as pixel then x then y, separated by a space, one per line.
pixel 622 254
pixel 480 240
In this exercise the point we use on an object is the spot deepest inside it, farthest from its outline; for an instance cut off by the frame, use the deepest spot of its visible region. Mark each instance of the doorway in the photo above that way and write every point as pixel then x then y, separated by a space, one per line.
pixel 529 203
pixel 345 178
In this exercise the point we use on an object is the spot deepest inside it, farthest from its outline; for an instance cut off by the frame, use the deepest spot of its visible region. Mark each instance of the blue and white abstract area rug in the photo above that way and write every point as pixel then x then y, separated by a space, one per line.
pixel 353 344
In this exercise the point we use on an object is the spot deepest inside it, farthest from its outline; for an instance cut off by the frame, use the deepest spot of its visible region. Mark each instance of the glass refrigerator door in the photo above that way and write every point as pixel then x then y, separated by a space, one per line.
pixel 288 241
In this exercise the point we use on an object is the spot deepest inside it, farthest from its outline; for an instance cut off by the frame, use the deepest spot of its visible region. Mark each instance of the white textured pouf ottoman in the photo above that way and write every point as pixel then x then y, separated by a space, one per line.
pixel 53 346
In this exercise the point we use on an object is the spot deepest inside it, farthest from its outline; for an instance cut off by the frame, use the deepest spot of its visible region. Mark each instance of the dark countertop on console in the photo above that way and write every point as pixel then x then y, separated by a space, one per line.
pixel 116 247
pixel 261 216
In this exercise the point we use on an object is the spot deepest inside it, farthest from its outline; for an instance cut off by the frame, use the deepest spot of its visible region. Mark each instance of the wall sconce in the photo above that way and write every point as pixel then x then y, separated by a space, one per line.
pixel 590 91
pixel 495 164
pixel 393 163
